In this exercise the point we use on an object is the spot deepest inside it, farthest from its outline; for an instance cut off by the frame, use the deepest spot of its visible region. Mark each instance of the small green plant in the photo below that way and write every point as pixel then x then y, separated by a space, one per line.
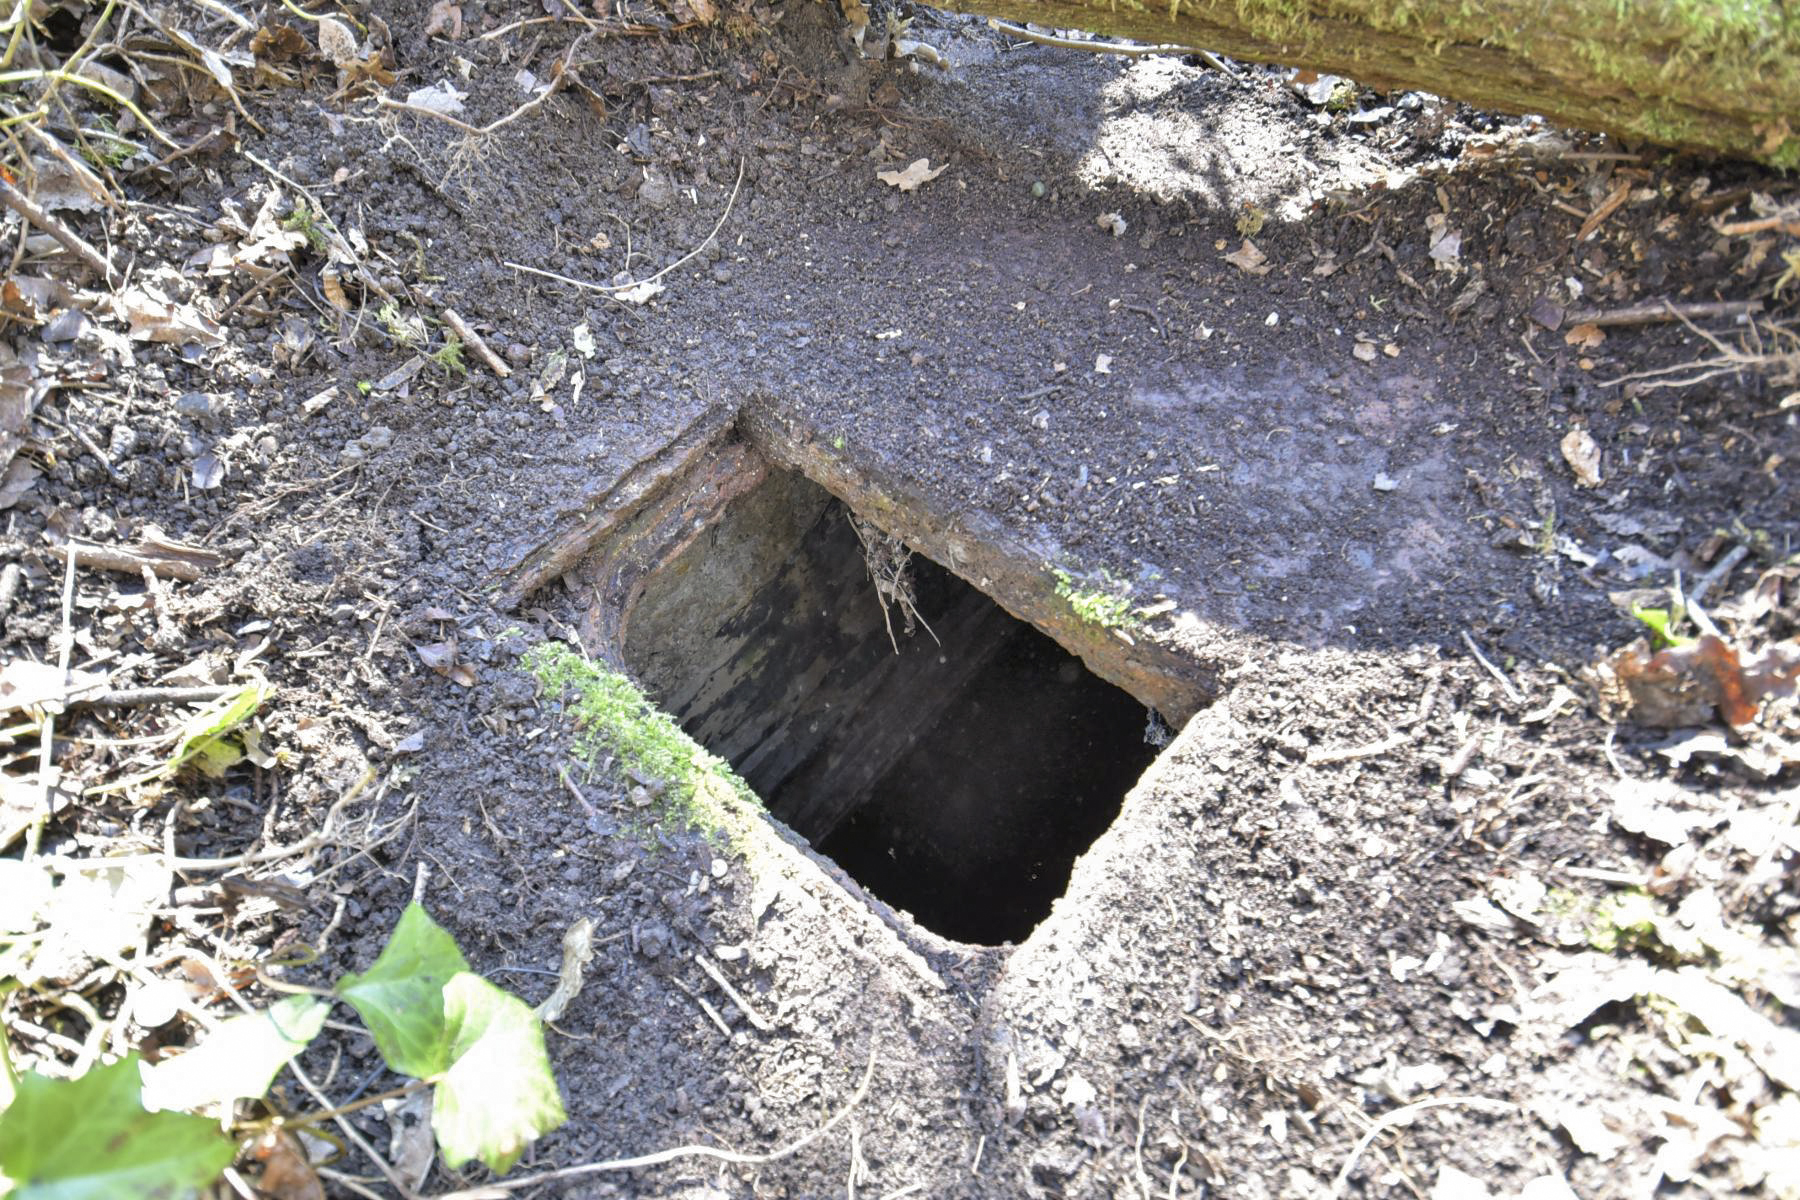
pixel 1623 921
pixel 1342 98
pixel 1106 603
pixel 407 331
pixel 364 386
pixel 126 1129
pixel 1662 623
pixel 104 146
pixel 449 356
pixel 311 225
pixel 614 718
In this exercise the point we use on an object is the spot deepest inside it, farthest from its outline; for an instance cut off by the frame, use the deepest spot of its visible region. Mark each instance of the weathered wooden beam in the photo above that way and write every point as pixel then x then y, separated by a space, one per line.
pixel 1710 75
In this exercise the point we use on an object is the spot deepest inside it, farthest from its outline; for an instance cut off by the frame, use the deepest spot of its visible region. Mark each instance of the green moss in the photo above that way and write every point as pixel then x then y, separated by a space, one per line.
pixel 1105 601
pixel 613 718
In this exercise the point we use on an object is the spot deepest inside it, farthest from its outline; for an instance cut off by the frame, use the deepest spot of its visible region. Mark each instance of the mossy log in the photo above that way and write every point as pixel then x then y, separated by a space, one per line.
pixel 1710 75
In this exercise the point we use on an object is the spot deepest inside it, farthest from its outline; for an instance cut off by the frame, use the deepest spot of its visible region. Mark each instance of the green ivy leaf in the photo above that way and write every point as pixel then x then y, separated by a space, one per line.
pixel 239 1058
pixel 90 1139
pixel 401 997
pixel 499 1093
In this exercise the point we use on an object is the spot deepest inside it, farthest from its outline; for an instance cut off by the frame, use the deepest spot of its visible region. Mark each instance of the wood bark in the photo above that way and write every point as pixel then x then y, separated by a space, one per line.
pixel 1709 75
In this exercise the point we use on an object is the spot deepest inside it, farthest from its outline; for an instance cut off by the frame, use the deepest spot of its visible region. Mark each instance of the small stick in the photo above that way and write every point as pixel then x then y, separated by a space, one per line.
pixel 1718 571
pixel 1401 1114
pixel 1658 311
pixel 322 836
pixel 139 697
pixel 1061 43
pixel 129 560
pixel 1506 685
pixel 705 1006
pixel 47 735
pixel 28 208
pixel 1325 758
pixel 750 1014
pixel 473 341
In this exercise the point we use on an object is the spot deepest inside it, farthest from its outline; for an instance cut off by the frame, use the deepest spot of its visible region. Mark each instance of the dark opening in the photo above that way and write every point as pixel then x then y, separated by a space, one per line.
pixel 956 781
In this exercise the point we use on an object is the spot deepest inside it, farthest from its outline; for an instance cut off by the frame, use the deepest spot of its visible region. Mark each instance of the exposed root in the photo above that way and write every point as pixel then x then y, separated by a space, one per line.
pixel 890 568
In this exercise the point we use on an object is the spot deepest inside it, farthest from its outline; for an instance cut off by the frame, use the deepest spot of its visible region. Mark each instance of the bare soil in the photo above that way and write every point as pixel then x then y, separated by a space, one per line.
pixel 1272 947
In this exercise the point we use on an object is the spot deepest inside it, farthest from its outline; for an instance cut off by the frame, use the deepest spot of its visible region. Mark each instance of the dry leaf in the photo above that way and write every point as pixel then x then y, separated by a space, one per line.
pixel 1103 364
pixel 1683 685
pixel 917 172
pixel 278 43
pixel 1583 456
pixel 1250 259
pixel 1585 336
pixel 152 317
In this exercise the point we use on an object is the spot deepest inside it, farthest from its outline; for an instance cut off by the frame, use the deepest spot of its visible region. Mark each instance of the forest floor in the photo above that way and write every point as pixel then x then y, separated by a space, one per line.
pixel 1379 415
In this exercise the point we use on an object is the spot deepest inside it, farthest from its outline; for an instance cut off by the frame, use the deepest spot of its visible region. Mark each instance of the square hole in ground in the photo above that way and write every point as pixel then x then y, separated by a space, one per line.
pixel 956 777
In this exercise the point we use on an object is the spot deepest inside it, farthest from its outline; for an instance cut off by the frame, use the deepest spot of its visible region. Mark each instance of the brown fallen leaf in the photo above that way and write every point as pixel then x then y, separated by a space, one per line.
pixel 917 172
pixel 279 43
pixel 1249 259
pixel 286 1173
pixel 153 317
pixel 1582 454
pixel 1685 685
pixel 1585 336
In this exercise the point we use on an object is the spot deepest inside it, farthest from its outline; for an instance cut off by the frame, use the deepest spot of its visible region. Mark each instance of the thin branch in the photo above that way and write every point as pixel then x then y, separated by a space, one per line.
pixel 65 237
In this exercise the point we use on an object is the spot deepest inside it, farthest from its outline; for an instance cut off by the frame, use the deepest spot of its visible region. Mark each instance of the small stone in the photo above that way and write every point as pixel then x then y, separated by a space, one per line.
pixel 198 406
pixel 518 354
pixel 722 274
pixel 653 940
pixel 656 190
pixel 378 438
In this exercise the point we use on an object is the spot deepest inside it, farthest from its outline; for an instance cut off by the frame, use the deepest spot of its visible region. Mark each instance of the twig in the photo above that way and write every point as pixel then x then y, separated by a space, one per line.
pixel 1506 685
pixel 356 1139
pixel 705 1006
pixel 1658 311
pixel 1603 210
pixel 663 1156
pixel 1091 47
pixel 750 1014
pixel 323 836
pixel 138 697
pixel 473 341
pixel 1716 572
pixel 169 560
pixel 558 80
pixel 1325 758
pixel 1402 1114
pixel 609 288
pixel 47 735
pixel 67 238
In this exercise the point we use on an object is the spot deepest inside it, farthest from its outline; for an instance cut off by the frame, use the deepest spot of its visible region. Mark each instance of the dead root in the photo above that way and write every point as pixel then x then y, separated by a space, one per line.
pixel 890 568
pixel 1767 349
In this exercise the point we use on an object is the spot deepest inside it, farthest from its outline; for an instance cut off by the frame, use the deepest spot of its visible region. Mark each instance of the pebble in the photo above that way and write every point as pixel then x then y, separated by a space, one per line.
pixel 721 274
pixel 518 354
pixel 198 406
